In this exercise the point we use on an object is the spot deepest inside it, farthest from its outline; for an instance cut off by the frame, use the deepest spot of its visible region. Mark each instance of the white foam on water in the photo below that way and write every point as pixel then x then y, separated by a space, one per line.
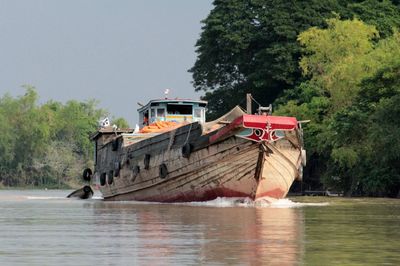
pixel 43 198
pixel 222 202
pixel 287 203
pixel 97 198
pixel 247 202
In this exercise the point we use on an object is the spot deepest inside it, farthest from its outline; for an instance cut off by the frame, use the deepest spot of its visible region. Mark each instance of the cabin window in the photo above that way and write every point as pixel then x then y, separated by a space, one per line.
pixel 153 113
pixel 197 112
pixel 179 109
pixel 198 115
pixel 160 112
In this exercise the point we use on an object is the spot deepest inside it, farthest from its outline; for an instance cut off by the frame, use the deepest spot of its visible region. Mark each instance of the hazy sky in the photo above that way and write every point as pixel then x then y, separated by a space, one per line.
pixel 119 52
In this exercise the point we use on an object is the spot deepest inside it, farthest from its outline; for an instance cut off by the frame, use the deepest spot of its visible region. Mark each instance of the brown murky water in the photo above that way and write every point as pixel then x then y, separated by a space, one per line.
pixel 44 228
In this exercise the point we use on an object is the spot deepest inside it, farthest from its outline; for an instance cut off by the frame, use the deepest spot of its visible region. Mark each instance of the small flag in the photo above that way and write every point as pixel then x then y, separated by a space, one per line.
pixel 105 122
pixel 166 93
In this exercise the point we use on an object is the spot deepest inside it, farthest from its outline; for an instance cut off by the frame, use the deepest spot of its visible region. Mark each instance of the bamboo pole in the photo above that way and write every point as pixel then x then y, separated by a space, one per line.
pixel 248 103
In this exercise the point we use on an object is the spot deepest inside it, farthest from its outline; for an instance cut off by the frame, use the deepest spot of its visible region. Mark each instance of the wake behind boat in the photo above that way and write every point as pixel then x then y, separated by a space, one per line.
pixel 178 157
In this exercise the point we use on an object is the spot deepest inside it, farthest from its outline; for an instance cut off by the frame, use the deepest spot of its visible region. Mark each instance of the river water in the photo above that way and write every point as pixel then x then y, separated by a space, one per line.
pixel 44 228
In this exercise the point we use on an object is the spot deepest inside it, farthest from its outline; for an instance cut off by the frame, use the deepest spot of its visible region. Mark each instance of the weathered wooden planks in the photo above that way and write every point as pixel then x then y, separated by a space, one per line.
pixel 186 165
pixel 205 170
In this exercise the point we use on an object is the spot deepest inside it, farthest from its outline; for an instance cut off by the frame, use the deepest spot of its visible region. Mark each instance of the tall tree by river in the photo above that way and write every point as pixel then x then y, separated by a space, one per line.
pixel 251 45
pixel 45 145
pixel 351 97
pixel 316 60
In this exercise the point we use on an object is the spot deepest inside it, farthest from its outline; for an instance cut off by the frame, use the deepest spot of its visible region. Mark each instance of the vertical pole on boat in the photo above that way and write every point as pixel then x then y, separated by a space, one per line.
pixel 248 103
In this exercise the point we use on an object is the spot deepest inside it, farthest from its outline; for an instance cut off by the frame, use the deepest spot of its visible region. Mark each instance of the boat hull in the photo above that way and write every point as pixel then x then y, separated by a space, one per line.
pixel 226 169
pixel 218 165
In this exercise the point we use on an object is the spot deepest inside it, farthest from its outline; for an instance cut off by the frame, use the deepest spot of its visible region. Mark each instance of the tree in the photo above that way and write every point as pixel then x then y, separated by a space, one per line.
pixel 250 46
pixel 369 132
pixel 46 145
pixel 120 122
pixel 26 131
pixel 76 121
pixel 332 57
pixel 384 14
pixel 354 134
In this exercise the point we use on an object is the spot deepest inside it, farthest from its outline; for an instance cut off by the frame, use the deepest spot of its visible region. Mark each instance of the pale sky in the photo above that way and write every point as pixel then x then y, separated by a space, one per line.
pixel 118 52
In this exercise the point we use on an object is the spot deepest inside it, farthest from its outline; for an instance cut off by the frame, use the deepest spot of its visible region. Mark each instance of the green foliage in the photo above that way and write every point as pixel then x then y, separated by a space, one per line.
pixel 345 157
pixel 355 134
pixel 75 122
pixel 383 95
pixel 341 74
pixel 120 122
pixel 332 57
pixel 250 46
pixel 381 13
pixel 45 145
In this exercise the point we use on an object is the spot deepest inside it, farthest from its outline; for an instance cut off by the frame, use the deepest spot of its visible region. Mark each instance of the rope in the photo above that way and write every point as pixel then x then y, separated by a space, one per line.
pixel 187 137
pixel 255 101
pixel 171 139
pixel 171 142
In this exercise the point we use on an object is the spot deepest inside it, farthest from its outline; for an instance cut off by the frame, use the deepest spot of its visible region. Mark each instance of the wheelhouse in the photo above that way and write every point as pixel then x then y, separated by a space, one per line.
pixel 176 110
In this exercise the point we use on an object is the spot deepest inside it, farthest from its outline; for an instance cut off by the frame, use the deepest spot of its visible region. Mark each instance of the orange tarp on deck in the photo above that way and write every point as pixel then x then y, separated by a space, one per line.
pixel 159 126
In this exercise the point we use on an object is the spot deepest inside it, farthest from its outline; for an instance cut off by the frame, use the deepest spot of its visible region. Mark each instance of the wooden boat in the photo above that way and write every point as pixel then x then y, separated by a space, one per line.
pixel 238 155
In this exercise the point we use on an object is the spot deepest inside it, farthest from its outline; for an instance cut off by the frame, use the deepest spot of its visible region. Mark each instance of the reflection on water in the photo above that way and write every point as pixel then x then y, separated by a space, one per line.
pixel 43 228
pixel 355 232
pixel 168 233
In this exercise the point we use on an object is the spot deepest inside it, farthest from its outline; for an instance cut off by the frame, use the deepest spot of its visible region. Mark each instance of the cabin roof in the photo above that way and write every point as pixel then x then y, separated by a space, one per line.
pixel 176 100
